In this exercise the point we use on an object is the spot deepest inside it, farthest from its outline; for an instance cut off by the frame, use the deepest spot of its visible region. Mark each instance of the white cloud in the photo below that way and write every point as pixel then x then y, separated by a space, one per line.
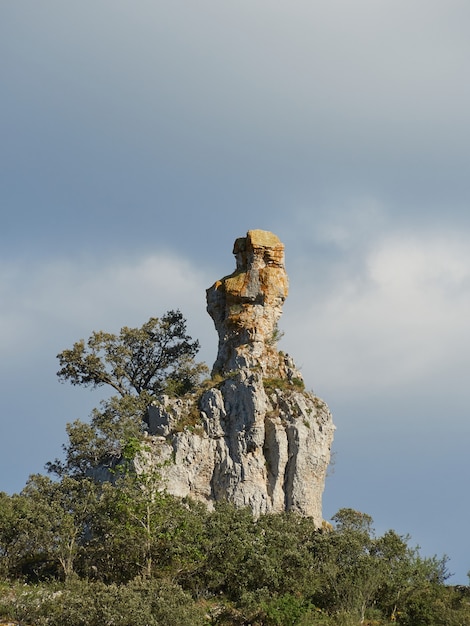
pixel 46 307
pixel 398 317
pixel 392 310
pixel 61 301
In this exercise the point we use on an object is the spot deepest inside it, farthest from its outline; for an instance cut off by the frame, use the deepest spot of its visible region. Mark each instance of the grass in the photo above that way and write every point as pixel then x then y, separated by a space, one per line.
pixel 283 384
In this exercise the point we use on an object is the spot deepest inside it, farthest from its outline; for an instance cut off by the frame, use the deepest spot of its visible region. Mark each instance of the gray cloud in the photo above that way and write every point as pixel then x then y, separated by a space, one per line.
pixel 245 103
pixel 46 309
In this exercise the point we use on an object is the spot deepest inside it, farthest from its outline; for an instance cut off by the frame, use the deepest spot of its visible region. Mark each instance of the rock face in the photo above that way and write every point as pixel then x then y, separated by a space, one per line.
pixel 254 436
pixel 247 305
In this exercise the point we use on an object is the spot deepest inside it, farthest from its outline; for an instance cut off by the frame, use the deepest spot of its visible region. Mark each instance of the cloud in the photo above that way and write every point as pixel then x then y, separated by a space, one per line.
pixel 395 313
pixel 60 301
pixel 137 116
pixel 199 76
pixel 45 308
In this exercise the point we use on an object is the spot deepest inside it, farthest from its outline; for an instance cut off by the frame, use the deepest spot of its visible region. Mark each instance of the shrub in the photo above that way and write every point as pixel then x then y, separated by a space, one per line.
pixel 82 603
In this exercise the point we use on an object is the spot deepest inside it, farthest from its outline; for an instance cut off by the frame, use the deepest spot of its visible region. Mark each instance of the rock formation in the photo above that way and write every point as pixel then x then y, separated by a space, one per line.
pixel 254 436
pixel 246 306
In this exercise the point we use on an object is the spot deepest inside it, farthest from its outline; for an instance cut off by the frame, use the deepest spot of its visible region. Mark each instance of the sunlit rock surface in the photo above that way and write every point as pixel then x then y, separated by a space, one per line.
pixel 247 305
pixel 254 436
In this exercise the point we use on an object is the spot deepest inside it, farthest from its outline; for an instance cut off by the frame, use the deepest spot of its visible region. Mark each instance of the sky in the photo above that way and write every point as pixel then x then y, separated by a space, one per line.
pixel 139 139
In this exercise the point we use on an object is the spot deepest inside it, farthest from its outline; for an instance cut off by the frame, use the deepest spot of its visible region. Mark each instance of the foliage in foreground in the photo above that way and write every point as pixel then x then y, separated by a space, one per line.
pixel 76 552
pixel 84 603
pixel 174 562
pixel 138 364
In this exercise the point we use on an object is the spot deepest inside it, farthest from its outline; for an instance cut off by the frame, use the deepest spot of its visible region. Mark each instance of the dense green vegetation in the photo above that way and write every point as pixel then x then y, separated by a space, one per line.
pixel 73 553
pixel 78 552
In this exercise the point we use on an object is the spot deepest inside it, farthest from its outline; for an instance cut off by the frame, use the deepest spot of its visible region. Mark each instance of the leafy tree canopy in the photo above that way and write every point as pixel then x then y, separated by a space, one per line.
pixel 139 364
pixel 157 356
pixel 101 441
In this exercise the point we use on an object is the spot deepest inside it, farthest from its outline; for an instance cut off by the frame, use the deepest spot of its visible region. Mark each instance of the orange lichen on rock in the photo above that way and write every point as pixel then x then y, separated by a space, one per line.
pixel 247 304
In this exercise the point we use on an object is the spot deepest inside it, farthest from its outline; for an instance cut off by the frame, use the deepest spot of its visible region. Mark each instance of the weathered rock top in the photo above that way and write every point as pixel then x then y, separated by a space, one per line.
pixel 247 304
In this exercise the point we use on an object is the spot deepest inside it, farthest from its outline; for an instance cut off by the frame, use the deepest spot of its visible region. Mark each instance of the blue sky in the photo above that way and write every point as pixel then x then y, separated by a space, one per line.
pixel 138 140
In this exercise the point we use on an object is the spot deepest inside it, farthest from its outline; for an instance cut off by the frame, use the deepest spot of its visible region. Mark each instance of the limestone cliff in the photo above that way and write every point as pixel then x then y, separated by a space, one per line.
pixel 253 436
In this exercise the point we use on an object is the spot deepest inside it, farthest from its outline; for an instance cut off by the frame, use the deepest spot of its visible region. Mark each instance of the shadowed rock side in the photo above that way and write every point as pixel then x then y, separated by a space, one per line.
pixel 254 437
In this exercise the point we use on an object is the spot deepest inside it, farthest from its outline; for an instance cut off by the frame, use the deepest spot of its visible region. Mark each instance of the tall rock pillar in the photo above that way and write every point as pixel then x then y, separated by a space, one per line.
pixel 256 437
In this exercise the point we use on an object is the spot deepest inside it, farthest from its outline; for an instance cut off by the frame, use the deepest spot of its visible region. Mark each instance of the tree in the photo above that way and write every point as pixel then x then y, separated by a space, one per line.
pixel 42 529
pixel 139 364
pixel 157 356
pixel 350 572
pixel 11 510
pixel 141 530
pixel 101 442
pixel 60 515
pixel 245 557
pixel 361 572
pixel 404 572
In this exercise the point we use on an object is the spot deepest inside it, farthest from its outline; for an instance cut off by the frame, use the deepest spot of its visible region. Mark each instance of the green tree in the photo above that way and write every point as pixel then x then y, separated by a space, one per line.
pixel 349 571
pixel 139 364
pixel 101 441
pixel 23 539
pixel 136 532
pixel 361 572
pixel 404 572
pixel 138 360
pixel 12 510
pixel 245 557
pixel 43 529
pixel 137 528
pixel 93 603
pixel 434 604
pixel 351 565
pixel 59 515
